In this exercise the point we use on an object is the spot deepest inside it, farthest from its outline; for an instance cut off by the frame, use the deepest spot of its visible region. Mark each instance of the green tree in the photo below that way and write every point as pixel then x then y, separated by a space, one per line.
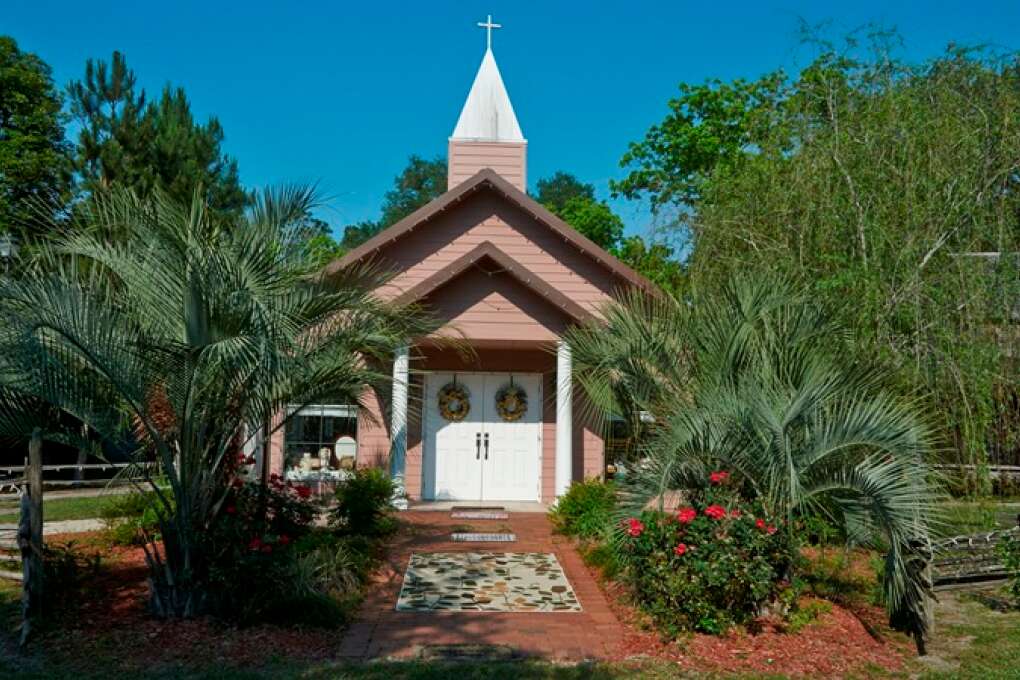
pixel 141 146
pixel 657 262
pixel 356 234
pixel 316 238
pixel 35 168
pixel 187 338
pixel 878 184
pixel 574 202
pixel 418 183
pixel 555 191
pixel 708 126
pixel 752 377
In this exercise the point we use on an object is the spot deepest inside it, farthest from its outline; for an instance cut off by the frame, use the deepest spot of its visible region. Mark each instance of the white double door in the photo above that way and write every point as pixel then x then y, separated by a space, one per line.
pixel 483 457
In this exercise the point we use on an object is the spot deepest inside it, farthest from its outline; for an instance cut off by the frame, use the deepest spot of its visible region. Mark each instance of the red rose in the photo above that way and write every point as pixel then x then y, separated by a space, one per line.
pixel 303 491
pixel 718 477
pixel 635 527
pixel 760 523
pixel 256 544
pixel 231 509
pixel 686 515
pixel 770 530
pixel 237 483
pixel 735 513
pixel 715 511
pixel 680 549
pixel 284 539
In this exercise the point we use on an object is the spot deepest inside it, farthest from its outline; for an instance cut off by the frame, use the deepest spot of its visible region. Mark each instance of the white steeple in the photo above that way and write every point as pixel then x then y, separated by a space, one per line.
pixel 488 114
pixel 487 134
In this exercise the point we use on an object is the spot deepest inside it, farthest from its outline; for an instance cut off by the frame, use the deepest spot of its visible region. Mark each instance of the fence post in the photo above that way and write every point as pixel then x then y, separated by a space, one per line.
pixel 30 538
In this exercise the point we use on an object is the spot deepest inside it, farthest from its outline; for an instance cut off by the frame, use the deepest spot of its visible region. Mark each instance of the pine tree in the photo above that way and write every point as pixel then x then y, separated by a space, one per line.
pixel 128 142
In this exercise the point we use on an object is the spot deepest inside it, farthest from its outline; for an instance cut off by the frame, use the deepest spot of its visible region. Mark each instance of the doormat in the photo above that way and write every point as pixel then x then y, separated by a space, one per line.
pixel 462 537
pixel 479 514
pixel 468 652
pixel 486 581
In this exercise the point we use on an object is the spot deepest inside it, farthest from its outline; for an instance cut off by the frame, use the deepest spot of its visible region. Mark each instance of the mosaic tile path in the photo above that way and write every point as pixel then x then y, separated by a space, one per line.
pixel 486 581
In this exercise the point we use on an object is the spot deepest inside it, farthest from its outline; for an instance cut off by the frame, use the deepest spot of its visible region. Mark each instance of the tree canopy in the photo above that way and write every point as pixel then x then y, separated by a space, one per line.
pixel 143 146
pixel 574 202
pixel 888 188
pixel 418 183
pixel 35 170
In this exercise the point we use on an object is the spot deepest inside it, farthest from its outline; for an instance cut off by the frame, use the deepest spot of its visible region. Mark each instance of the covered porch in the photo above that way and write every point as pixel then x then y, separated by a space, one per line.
pixel 528 454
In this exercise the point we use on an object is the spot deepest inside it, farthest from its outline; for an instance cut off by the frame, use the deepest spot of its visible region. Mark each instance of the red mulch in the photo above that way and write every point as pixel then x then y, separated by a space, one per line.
pixel 836 644
pixel 111 624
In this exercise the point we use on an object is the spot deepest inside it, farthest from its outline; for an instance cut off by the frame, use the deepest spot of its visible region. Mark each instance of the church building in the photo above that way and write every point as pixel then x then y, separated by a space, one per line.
pixel 507 276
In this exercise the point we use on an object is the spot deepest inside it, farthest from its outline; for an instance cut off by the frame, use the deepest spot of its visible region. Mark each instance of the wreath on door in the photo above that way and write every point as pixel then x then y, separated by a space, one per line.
pixel 454 402
pixel 511 402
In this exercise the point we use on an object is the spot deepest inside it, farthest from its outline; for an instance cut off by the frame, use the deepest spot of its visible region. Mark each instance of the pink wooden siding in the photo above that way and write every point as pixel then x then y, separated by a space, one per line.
pixel 276 443
pixel 509 159
pixel 497 308
pixel 373 432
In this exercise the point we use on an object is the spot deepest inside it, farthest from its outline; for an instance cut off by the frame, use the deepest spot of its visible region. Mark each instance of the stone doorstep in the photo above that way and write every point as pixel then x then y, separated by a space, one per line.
pixel 483 538
pixel 477 508
pixel 478 514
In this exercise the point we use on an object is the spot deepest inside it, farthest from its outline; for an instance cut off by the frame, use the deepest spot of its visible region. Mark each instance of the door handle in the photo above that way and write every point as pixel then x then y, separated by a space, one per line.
pixel 478 446
pixel 486 446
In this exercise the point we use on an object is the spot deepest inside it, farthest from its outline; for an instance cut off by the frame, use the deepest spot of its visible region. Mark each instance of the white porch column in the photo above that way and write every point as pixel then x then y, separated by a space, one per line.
pixel 398 418
pixel 564 418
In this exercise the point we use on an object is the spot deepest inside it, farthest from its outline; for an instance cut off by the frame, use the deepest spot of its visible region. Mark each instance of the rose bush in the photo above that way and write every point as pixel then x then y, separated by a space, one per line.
pixel 251 545
pixel 711 564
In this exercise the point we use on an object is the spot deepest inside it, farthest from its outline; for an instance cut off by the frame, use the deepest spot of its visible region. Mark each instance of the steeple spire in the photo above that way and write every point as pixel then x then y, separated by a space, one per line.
pixel 487 134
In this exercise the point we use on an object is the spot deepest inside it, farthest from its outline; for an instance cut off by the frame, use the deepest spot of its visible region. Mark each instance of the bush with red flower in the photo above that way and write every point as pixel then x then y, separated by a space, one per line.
pixel 251 545
pixel 713 563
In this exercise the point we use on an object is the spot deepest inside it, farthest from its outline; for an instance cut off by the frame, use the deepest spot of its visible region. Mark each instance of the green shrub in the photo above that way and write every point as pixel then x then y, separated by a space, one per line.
pixel 363 503
pixel 1009 549
pixel 66 572
pixel 586 509
pixel 131 516
pixel 807 614
pixel 713 564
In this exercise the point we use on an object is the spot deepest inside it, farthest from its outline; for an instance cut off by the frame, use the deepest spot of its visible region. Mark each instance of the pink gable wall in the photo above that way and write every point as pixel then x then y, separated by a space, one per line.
pixel 496 308
pixel 487 216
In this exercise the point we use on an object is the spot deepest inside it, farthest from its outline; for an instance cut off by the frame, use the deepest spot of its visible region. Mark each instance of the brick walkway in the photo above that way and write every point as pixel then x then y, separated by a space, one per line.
pixel 382 632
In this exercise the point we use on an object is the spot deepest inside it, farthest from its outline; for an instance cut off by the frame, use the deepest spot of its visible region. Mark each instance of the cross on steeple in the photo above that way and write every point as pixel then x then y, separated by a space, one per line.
pixel 488 26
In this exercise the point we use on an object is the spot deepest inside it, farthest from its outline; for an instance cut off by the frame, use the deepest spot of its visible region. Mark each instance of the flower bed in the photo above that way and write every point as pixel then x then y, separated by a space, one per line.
pixel 715 562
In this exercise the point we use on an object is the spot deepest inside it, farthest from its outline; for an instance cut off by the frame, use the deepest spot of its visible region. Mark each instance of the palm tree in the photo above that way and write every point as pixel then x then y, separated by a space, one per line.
pixel 191 334
pixel 757 379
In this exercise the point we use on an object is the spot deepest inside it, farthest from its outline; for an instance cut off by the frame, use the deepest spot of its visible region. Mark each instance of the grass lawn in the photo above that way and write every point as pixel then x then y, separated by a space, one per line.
pixel 969 517
pixel 57 509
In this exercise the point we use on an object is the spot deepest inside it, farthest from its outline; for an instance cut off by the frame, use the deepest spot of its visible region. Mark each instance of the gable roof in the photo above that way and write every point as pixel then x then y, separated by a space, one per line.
pixel 489 179
pixel 488 114
pixel 507 265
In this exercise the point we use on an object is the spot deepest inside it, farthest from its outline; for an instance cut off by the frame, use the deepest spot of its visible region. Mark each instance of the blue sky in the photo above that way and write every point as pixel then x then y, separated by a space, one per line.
pixel 341 93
